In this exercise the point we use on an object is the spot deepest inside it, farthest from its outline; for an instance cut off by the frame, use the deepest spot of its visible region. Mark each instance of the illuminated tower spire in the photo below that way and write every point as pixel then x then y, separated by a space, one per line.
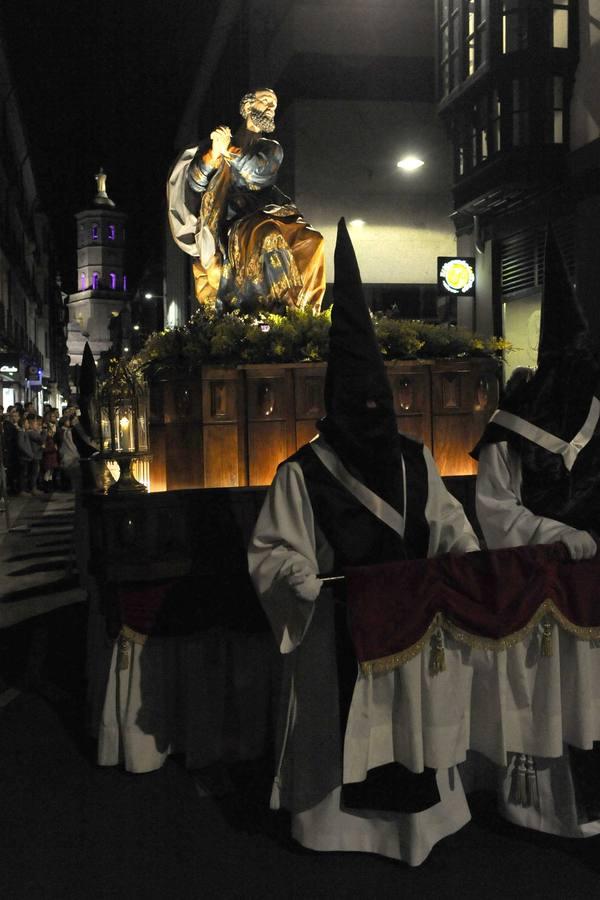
pixel 102 198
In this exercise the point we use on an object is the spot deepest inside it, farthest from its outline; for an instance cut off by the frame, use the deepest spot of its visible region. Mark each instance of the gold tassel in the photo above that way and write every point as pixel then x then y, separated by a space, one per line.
pixel 547 639
pixel 532 787
pixel 437 657
pixel 521 798
pixel 123 654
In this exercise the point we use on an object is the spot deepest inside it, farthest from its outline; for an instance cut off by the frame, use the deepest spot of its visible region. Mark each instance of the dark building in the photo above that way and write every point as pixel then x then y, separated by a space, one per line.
pixel 33 361
pixel 517 87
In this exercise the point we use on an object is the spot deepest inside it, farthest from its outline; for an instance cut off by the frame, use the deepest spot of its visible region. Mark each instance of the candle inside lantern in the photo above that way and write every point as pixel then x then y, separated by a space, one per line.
pixel 125 433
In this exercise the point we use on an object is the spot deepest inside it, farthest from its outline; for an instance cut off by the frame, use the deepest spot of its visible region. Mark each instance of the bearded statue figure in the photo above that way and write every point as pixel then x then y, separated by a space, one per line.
pixel 252 249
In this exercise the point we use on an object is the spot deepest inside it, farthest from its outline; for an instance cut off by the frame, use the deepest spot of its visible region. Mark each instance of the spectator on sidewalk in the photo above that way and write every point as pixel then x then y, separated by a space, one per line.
pixel 68 453
pixel 50 461
pixel 25 455
pixel 10 431
pixel 37 438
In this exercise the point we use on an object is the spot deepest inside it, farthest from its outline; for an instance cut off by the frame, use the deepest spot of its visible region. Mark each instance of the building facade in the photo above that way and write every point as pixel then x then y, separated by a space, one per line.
pixel 517 86
pixel 33 360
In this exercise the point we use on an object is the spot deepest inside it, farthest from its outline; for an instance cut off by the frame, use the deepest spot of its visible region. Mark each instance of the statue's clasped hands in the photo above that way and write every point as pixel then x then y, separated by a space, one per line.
pixel 221 139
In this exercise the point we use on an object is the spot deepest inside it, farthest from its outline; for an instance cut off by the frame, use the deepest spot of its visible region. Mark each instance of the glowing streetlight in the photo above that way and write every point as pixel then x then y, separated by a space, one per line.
pixel 410 163
pixel 357 223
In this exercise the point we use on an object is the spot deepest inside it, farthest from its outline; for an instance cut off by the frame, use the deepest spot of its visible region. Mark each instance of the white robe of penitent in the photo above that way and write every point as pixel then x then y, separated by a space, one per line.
pixel 506 522
pixel 310 753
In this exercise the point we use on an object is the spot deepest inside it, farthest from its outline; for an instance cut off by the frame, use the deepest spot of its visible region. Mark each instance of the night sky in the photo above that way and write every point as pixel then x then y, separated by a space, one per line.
pixel 104 84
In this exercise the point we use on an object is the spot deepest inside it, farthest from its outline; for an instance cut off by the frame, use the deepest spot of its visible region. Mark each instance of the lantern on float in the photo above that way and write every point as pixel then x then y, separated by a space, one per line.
pixel 123 412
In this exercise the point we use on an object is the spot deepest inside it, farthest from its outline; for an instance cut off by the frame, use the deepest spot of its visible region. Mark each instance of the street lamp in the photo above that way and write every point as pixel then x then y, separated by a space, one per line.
pixel 410 163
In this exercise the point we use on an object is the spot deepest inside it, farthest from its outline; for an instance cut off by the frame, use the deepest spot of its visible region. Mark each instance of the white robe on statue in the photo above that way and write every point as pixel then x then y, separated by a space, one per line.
pixel 309 773
pixel 506 522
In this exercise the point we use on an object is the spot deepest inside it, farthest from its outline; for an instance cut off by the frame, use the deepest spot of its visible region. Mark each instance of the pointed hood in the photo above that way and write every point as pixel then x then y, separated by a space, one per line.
pixel 87 373
pixel 563 324
pixel 87 392
pixel 557 395
pixel 353 349
pixel 359 422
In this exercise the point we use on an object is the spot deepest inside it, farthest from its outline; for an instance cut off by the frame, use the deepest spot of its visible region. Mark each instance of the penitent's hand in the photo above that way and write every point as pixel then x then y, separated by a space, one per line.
pixel 304 582
pixel 221 138
pixel 580 544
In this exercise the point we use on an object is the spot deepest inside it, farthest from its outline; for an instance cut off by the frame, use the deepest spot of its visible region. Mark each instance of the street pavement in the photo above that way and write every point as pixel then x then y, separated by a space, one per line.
pixel 37 565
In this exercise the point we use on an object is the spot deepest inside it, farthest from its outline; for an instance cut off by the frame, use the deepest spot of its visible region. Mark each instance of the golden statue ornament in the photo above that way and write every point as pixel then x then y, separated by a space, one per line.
pixel 252 249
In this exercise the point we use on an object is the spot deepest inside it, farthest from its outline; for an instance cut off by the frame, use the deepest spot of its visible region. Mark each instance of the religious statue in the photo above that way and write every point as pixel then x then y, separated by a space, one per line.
pixel 252 249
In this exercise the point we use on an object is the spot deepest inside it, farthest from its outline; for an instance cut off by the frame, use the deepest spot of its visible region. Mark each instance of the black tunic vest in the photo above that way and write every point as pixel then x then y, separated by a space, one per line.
pixel 359 538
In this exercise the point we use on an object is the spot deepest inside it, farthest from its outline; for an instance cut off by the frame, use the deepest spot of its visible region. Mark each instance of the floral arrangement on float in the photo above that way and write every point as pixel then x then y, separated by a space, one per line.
pixel 299 336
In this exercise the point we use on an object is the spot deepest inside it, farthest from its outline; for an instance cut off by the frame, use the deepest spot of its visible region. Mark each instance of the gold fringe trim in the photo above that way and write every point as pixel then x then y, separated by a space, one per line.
pixel 546 647
pixel 546 608
pixel 437 657
pixel 122 654
pixel 135 636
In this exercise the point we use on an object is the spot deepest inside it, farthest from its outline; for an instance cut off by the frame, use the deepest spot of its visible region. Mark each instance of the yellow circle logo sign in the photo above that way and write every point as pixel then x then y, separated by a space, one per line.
pixel 457 276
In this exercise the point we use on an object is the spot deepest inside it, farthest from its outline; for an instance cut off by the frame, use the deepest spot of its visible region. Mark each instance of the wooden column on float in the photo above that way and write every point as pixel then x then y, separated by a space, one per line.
pixel 464 395
pixel 175 433
pixel 223 427
pixel 270 419
pixel 309 390
pixel 411 388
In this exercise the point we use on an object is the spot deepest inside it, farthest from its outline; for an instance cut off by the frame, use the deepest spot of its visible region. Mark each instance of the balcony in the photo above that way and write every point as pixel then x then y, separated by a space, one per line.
pixel 506 73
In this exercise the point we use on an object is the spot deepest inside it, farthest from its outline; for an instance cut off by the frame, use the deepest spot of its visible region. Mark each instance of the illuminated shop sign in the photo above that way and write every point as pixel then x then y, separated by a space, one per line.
pixel 9 364
pixel 456 275
pixel 34 375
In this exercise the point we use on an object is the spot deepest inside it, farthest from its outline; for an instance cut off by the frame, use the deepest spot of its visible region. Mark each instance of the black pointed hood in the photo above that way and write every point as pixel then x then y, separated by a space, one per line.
pixel 563 324
pixel 360 423
pixel 558 395
pixel 353 349
pixel 87 396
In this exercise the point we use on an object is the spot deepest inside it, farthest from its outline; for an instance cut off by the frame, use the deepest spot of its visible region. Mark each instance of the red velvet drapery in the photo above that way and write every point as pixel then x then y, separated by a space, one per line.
pixel 488 598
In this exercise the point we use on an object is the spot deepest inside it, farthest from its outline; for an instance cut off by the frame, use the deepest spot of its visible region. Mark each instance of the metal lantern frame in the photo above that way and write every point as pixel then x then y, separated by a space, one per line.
pixel 123 424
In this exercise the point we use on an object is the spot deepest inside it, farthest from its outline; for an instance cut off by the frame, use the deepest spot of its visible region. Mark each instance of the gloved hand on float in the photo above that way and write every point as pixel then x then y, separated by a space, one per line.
pixel 580 544
pixel 304 582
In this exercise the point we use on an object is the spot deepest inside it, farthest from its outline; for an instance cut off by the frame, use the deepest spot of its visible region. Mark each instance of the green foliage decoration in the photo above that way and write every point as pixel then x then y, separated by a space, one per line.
pixel 298 336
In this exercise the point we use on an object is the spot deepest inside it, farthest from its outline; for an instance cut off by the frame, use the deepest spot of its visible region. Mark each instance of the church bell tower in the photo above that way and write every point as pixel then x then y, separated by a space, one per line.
pixel 101 291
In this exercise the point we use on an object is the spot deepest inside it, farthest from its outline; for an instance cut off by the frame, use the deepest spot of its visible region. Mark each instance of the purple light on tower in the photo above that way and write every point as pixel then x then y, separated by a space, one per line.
pixel 94 232
pixel 124 282
pixel 95 281
pixel 82 282
pixel 111 232
pixel 113 281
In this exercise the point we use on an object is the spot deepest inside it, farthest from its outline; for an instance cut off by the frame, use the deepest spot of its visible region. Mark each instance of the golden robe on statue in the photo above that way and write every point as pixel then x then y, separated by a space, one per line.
pixel 252 247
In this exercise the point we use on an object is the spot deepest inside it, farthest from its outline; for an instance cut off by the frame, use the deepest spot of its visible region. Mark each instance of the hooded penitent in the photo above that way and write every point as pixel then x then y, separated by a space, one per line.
pixel 360 423
pixel 558 399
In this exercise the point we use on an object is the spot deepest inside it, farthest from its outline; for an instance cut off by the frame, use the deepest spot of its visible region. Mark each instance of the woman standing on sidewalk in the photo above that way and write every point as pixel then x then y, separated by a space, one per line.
pixel 50 460
pixel 37 439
